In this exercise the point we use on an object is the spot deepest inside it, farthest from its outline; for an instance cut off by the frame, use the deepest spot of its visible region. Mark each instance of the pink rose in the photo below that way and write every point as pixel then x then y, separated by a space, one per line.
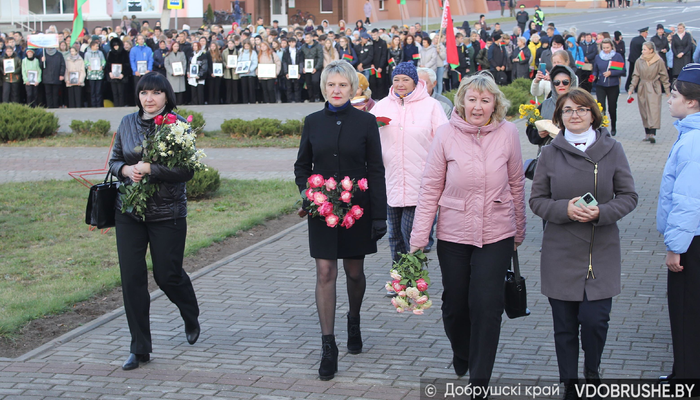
pixel 388 287
pixel 189 118
pixel 418 311
pixel 331 184
pixel 320 198
pixel 356 211
pixel 310 194
pixel 170 119
pixel 412 293
pixel 402 294
pixel 332 220
pixel 399 309
pixel 393 301
pixel 397 286
pixel 422 299
pixel 346 183
pixel 362 184
pixel 316 181
pixel 325 209
pixel 346 197
pixel 158 120
pixel 348 221
pixel 421 285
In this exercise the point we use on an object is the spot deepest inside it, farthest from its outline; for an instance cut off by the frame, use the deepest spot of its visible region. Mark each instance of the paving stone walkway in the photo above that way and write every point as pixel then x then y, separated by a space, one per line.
pixel 261 339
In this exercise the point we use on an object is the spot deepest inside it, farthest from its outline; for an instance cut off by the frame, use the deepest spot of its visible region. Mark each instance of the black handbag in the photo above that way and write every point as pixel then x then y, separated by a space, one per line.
pixel 529 168
pixel 99 211
pixel 515 292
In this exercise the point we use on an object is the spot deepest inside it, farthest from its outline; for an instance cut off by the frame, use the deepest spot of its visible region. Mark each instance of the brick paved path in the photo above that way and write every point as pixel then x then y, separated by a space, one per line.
pixel 261 339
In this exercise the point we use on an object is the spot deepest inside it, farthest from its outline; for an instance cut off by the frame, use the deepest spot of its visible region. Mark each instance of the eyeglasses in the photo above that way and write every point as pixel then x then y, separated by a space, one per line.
pixel 565 82
pixel 581 112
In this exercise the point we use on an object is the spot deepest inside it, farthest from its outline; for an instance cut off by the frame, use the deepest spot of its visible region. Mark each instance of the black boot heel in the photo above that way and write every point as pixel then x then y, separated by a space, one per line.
pixel 354 335
pixel 329 358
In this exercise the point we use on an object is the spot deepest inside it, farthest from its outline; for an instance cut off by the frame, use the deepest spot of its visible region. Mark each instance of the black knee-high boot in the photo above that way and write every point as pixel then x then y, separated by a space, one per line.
pixel 329 358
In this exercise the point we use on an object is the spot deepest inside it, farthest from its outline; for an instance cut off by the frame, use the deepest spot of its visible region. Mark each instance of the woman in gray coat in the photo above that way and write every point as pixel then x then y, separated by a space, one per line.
pixel 428 55
pixel 176 81
pixel 581 260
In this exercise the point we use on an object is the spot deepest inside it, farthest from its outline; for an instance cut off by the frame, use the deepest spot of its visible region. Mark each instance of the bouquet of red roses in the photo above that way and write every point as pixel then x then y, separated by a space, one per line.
pixel 333 201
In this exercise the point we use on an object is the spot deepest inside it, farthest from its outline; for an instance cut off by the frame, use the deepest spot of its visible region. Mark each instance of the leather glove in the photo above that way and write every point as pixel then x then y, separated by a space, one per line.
pixel 378 229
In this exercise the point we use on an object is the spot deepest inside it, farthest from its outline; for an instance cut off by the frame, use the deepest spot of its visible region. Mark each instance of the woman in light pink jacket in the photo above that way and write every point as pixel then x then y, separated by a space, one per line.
pixel 415 117
pixel 475 174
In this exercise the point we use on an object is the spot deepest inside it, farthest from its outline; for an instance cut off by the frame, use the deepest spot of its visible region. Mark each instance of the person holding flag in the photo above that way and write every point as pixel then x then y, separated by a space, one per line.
pixel 410 50
pixel 608 67
pixel 346 51
pixel 521 61
pixel 453 59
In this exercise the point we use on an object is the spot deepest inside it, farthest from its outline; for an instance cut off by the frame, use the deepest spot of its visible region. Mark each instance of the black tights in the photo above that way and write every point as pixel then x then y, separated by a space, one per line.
pixel 326 276
pixel 610 94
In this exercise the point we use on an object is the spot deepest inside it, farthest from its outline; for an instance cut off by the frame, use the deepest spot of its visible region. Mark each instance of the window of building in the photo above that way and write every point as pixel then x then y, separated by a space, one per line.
pixel 326 6
pixel 50 6
pixel 381 5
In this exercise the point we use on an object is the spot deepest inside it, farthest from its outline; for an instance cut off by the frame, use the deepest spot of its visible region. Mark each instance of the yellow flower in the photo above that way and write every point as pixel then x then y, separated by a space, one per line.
pixel 532 120
pixel 537 113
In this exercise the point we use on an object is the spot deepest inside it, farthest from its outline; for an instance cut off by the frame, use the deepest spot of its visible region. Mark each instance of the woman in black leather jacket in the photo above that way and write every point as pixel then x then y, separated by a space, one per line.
pixel 163 226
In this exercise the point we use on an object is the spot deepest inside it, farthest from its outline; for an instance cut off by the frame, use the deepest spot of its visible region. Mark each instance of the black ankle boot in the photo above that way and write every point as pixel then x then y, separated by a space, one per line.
pixel 329 358
pixel 354 335
pixel 570 392
pixel 652 138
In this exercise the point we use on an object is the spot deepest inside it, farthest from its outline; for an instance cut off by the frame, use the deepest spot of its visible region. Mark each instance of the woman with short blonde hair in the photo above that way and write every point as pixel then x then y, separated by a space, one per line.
pixel 474 172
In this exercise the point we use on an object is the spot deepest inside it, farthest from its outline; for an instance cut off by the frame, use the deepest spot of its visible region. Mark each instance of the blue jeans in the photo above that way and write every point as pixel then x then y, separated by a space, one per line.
pixel 438 88
pixel 367 72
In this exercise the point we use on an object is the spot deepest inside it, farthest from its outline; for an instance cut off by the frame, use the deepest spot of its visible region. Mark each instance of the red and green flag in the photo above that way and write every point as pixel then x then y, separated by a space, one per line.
pixel 77 20
pixel 416 56
pixel 521 56
pixel 580 63
pixel 348 57
pixel 400 1
pixel 392 61
pixel 450 42
pixel 616 65
pixel 383 121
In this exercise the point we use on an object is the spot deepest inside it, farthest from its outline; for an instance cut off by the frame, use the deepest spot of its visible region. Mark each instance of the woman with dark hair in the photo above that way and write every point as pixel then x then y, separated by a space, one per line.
pixel 162 227
pixel 619 44
pixel 248 82
pixel 176 81
pixel 409 50
pixel 582 186
pixel 678 219
pixel 215 81
pixel 118 56
pixel 231 79
pixel 608 67
pixel 197 69
pixel 360 27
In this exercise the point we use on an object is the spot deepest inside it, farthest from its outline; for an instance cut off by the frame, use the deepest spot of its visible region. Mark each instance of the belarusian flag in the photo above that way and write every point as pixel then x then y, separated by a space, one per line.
pixel 616 65
pixel 416 56
pixel 392 61
pixel 400 1
pixel 374 71
pixel 348 57
pixel 77 20
pixel 450 43
pixel 521 56
pixel 580 63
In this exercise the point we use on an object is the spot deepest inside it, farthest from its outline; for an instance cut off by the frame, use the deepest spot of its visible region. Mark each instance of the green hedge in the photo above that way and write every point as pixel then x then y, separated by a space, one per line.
pixel 197 117
pixel 262 127
pixel 518 92
pixel 90 128
pixel 21 122
pixel 204 183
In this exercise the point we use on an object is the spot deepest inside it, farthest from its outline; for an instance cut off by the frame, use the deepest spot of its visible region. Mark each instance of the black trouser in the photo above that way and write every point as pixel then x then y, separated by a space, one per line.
pixel 629 76
pixel 583 80
pixel 313 85
pixel 231 91
pixel 268 89
pixel 75 96
pixel 684 313
pixel 180 98
pixel 10 92
pixel 248 88
pixel 197 95
pixel 522 29
pixel 472 301
pixel 367 21
pixel 294 90
pixel 167 245
pixel 215 90
pixel 52 99
pixel 96 99
pixel 377 84
pixel 118 93
pixel 31 95
pixel 611 94
pixel 592 317
pixel 136 82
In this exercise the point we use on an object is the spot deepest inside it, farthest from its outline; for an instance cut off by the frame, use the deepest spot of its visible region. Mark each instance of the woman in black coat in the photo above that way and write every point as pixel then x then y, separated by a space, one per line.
pixel 336 142
pixel 117 55
pixel 682 46
pixel 162 227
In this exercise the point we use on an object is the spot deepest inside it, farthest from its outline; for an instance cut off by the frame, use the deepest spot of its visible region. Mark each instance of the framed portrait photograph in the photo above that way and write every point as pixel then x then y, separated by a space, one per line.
pixel 95 64
pixel 194 70
pixel 308 66
pixel 293 71
pixel 267 71
pixel 231 61
pixel 178 70
pixel 217 69
pixel 243 67
pixel 142 67
pixel 117 70
pixel 32 77
pixel 8 65
pixel 74 78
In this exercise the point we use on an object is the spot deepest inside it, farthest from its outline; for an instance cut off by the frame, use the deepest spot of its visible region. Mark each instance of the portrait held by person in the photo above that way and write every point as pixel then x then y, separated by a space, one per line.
pixel 580 264
pixel 336 142
pixel 162 228
pixel 474 172
pixel 678 220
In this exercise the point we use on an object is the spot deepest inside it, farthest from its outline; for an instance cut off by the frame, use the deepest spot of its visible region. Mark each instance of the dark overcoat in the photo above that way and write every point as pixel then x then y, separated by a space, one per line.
pixel 570 247
pixel 679 46
pixel 336 145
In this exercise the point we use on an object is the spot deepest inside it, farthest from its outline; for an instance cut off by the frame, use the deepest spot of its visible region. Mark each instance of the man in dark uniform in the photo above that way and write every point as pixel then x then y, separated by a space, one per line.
pixel 635 52
pixel 661 42
pixel 522 17
pixel 379 62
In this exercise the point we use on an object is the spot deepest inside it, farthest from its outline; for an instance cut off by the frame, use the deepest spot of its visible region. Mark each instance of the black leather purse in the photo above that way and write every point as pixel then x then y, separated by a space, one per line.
pixel 515 293
pixel 529 167
pixel 99 211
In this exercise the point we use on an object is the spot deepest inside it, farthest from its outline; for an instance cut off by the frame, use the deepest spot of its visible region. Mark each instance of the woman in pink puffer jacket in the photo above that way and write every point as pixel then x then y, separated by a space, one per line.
pixel 475 174
pixel 415 117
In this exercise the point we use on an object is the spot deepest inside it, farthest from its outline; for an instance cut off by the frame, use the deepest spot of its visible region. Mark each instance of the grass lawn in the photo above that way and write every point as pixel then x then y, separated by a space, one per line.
pixel 49 260
pixel 209 140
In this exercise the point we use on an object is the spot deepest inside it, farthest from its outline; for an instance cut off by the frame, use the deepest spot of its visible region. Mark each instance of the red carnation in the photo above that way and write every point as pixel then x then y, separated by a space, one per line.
pixel 591 78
